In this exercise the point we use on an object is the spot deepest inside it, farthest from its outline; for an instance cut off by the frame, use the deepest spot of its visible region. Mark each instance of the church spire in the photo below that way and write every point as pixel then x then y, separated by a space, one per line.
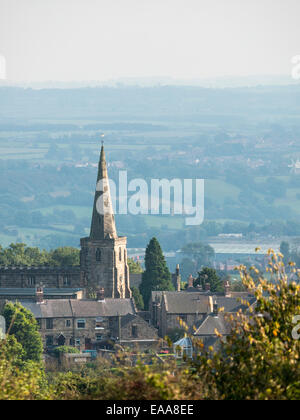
pixel 103 221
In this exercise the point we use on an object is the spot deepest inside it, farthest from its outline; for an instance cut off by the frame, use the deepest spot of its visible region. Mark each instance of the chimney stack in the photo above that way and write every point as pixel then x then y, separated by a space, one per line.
pixel 176 278
pixel 227 288
pixel 190 281
pixel 39 294
pixel 100 294
pixel 207 287
pixel 215 308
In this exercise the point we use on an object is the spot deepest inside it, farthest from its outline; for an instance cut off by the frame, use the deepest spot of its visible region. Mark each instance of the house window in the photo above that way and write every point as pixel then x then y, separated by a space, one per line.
pixel 68 323
pixel 99 325
pixel 77 342
pixel 31 281
pixel 49 340
pixel 66 281
pixel 81 323
pixel 134 330
pixel 39 322
pixel 71 341
pixel 98 255
pixel 49 324
pixel 98 337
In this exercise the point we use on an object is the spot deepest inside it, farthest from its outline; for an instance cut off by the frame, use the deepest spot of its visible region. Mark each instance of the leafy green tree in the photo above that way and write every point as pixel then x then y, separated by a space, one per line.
pixel 187 267
pixel 134 266
pixel 138 298
pixel 210 276
pixel 20 380
pixel 202 254
pixel 21 254
pixel 65 256
pixel 21 323
pixel 156 275
pixel 65 349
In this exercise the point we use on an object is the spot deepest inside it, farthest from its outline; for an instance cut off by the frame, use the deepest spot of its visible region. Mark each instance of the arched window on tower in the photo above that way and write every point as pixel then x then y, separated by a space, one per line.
pixel 120 254
pixel 98 255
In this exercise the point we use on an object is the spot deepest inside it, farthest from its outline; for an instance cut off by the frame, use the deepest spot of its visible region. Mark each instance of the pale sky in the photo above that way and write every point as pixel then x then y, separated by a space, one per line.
pixel 79 40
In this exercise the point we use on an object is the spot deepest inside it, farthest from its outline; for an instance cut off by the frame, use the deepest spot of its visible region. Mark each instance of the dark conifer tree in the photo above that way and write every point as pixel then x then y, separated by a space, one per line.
pixel 156 275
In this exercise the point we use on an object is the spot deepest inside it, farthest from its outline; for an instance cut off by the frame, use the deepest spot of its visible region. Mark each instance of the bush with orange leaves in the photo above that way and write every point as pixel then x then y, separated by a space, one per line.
pixel 261 358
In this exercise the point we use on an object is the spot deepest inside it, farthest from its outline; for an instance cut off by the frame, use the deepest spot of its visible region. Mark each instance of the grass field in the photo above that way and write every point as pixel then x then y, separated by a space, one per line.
pixel 79 211
pixel 217 190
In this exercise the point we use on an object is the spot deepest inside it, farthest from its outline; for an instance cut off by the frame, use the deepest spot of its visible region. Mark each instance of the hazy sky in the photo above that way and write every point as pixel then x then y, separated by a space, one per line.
pixel 102 39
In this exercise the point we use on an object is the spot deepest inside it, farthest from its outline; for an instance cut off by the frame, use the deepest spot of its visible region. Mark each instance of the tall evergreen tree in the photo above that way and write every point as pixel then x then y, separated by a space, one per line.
pixel 156 275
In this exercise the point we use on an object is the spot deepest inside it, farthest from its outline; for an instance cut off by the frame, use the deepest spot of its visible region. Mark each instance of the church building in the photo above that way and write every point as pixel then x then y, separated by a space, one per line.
pixel 103 256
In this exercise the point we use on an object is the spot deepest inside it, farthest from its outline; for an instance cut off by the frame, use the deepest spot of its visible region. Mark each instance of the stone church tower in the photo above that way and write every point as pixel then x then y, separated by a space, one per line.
pixel 103 256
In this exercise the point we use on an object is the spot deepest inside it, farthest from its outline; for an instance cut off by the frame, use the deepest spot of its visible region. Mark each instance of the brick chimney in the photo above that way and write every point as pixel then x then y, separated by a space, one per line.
pixel 100 294
pixel 215 308
pixel 207 287
pixel 227 288
pixel 39 294
pixel 176 278
pixel 190 281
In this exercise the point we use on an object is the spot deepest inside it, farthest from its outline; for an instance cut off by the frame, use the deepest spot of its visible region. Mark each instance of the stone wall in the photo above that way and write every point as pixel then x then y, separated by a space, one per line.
pixel 52 277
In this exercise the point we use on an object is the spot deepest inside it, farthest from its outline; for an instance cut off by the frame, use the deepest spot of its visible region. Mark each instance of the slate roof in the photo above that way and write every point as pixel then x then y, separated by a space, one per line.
pixel 108 307
pixel 68 308
pixel 212 323
pixel 186 303
pixel 232 304
pixel 28 291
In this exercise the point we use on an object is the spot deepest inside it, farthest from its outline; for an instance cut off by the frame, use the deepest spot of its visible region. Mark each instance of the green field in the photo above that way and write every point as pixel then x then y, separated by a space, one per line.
pixel 79 211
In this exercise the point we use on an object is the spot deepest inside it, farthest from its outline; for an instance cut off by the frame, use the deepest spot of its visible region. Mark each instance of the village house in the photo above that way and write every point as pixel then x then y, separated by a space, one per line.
pixel 90 324
pixel 168 309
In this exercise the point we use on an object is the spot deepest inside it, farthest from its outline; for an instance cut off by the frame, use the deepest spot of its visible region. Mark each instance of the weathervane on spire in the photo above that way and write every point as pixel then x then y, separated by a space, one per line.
pixel 102 137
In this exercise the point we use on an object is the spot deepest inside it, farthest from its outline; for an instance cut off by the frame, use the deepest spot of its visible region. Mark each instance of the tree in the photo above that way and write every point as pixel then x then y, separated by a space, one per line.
pixel 202 254
pixel 21 323
pixel 210 276
pixel 21 254
pixel 260 359
pixel 65 256
pixel 187 267
pixel 156 275
pixel 138 298
pixel 134 266
pixel 20 380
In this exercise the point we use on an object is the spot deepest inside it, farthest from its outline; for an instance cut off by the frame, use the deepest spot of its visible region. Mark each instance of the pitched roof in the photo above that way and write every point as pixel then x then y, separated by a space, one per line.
pixel 210 324
pixel 107 307
pixel 68 308
pixel 185 342
pixel 232 304
pixel 54 308
pixel 186 303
